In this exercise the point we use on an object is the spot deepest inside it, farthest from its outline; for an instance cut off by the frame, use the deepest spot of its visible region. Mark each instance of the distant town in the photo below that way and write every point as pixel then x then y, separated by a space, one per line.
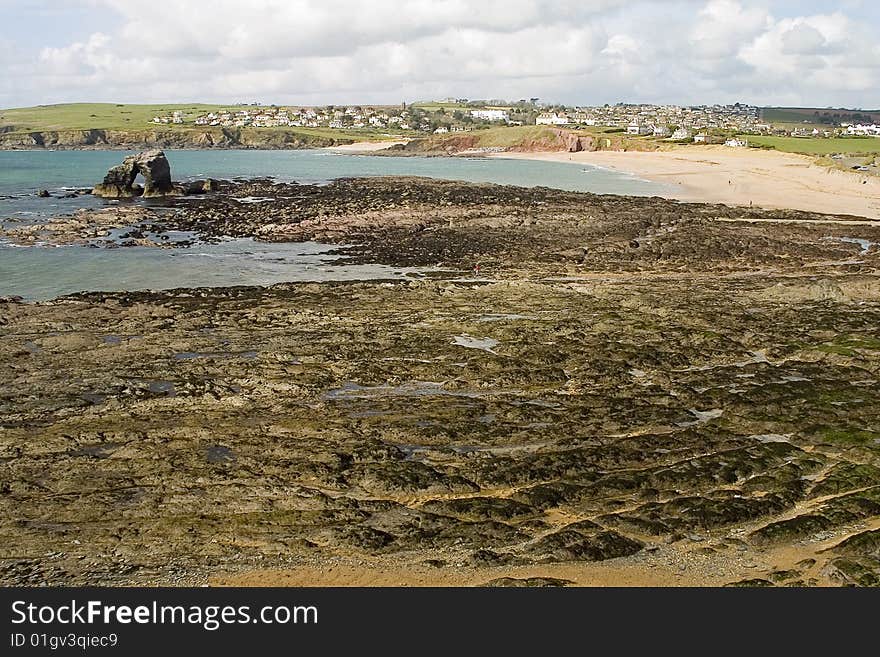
pixel 699 124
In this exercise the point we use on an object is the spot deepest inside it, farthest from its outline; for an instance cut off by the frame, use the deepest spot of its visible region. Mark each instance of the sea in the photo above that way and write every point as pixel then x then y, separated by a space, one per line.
pixel 43 272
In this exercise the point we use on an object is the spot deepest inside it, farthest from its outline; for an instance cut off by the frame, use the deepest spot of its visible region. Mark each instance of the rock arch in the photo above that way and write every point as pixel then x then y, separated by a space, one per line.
pixel 152 165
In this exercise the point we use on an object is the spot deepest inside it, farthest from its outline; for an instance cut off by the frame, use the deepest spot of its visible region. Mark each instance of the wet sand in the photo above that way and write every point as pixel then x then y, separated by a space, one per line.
pixel 717 174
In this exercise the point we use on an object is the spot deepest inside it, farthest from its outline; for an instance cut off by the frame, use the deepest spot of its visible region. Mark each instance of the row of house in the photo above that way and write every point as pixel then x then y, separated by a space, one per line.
pixel 681 123
pixel 739 117
pixel 308 117
pixel 553 118
pixel 402 118
pixel 174 117
pixel 677 123
pixel 491 115
pixel 665 122
pixel 861 130
pixel 442 130
pixel 645 129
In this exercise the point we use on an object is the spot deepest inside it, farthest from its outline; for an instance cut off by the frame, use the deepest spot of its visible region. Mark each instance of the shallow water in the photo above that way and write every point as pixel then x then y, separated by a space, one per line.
pixel 23 173
pixel 702 417
pixel 865 245
pixel 37 273
pixel 468 342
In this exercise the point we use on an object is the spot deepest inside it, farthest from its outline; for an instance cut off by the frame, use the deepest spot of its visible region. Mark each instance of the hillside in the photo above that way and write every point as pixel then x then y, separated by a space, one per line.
pixel 525 139
pixel 107 125
pixel 817 116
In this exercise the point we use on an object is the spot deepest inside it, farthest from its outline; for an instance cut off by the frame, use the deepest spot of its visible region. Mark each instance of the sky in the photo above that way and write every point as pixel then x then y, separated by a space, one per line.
pixel 318 52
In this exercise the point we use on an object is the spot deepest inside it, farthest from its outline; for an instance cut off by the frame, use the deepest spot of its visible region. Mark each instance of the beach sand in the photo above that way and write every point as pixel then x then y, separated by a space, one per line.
pixel 367 146
pixel 631 574
pixel 718 174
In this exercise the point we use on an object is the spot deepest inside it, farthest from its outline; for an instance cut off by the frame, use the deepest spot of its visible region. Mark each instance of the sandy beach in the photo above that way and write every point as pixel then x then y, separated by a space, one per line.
pixel 366 146
pixel 718 174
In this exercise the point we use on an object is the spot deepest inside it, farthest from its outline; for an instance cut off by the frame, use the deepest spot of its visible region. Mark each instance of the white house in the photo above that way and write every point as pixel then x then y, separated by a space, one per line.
pixel 490 115
pixel 736 143
pixel 441 130
pixel 864 130
pixel 551 118
pixel 636 128
pixel 681 134
pixel 701 138
pixel 661 131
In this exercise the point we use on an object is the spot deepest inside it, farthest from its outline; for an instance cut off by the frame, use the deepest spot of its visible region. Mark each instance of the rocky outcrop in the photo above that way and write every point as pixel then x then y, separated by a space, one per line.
pixel 199 186
pixel 152 165
pixel 557 140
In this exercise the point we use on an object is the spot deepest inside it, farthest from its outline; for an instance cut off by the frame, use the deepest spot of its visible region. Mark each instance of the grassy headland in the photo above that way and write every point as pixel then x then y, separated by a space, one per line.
pixel 112 125
pixel 91 116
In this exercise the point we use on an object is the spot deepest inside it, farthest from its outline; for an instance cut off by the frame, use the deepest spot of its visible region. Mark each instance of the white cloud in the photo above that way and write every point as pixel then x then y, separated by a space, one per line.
pixel 819 52
pixel 803 39
pixel 723 26
pixel 77 59
pixel 261 29
pixel 571 50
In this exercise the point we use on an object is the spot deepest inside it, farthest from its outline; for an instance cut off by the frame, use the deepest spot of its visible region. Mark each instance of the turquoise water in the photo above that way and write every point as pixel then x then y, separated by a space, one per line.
pixel 45 272
pixel 25 172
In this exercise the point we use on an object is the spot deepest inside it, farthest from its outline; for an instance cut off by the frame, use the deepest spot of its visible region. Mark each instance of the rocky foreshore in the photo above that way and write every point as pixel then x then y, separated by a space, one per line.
pixel 597 389
pixel 508 230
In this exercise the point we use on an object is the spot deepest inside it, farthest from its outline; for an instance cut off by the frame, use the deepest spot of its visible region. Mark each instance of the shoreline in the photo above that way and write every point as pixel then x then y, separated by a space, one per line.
pixel 738 177
pixel 698 174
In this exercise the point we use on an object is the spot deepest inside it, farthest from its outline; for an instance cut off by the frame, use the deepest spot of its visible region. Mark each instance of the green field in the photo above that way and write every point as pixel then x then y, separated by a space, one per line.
pixel 818 146
pixel 110 116
pixel 790 117
pixel 101 116
pixel 433 107
pixel 807 116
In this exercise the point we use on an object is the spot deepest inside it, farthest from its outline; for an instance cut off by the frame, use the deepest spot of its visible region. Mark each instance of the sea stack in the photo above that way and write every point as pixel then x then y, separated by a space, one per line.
pixel 152 164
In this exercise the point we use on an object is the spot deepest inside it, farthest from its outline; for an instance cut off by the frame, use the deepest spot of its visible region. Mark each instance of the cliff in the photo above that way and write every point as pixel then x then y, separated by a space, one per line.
pixel 168 138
